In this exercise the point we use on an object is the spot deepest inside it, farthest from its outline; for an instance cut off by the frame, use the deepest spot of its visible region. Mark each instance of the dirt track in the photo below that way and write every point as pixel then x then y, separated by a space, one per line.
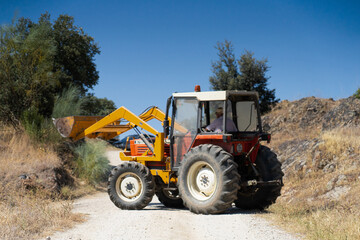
pixel 105 221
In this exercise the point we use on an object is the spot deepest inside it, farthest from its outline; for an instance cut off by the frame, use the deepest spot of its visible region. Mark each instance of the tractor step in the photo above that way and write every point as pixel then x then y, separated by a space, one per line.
pixel 262 183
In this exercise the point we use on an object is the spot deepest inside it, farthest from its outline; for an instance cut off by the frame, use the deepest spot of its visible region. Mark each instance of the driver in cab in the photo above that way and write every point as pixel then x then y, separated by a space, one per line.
pixel 217 124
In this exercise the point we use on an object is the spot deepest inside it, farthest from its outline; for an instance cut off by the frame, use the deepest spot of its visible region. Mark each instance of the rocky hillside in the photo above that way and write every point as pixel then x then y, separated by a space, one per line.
pixel 318 143
pixel 298 130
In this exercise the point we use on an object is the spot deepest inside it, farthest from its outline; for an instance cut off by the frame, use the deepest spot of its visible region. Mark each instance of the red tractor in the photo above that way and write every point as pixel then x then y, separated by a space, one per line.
pixel 208 157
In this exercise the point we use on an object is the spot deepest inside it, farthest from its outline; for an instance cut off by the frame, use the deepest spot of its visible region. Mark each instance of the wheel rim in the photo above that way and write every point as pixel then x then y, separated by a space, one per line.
pixel 129 187
pixel 201 181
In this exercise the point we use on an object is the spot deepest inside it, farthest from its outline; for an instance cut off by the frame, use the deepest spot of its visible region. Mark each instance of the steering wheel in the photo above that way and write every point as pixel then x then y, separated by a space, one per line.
pixel 203 129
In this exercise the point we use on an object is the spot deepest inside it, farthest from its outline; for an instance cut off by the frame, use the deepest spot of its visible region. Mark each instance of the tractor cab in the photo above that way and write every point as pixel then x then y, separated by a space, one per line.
pixel 198 110
pixel 229 119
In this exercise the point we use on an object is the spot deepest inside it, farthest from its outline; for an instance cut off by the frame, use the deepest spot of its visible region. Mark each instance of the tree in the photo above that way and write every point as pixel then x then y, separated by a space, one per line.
pixel 75 55
pixel 93 106
pixel 26 76
pixel 246 73
pixel 38 61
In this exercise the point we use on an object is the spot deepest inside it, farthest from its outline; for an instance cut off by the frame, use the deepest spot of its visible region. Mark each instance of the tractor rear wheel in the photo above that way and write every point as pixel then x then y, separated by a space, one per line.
pixel 170 198
pixel 208 180
pixel 131 186
pixel 261 197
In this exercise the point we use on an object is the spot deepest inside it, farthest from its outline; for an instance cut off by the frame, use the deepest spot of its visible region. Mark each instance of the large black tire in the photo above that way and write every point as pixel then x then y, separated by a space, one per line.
pixel 170 198
pixel 261 197
pixel 208 180
pixel 131 186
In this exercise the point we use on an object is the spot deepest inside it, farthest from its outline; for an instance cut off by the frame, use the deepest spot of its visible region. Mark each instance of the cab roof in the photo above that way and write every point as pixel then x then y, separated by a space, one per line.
pixel 218 95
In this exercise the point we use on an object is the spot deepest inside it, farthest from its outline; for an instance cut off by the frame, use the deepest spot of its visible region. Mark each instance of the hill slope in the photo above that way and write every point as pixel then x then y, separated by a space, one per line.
pixel 317 141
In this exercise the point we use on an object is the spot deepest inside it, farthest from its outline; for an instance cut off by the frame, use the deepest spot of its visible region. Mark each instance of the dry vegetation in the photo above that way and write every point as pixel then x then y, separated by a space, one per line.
pixel 325 206
pixel 25 215
pixel 30 206
pixel 320 196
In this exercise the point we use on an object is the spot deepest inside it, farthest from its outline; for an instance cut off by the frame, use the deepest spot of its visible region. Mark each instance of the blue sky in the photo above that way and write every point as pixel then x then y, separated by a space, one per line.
pixel 150 49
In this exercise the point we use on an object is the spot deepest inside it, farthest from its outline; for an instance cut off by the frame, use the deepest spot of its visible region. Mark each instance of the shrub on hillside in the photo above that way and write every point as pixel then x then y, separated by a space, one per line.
pixel 91 163
pixel 68 103
pixel 42 129
pixel 357 94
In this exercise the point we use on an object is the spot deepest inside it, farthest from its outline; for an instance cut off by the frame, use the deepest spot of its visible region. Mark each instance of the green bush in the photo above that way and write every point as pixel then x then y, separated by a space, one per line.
pixel 49 133
pixel 42 129
pixel 32 122
pixel 357 94
pixel 91 162
pixel 68 103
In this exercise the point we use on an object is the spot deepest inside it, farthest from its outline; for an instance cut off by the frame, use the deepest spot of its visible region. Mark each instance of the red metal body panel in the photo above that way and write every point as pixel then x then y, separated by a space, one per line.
pixel 216 139
pixel 230 146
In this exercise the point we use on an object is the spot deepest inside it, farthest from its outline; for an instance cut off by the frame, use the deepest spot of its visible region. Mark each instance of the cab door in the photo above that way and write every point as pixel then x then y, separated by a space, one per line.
pixel 184 127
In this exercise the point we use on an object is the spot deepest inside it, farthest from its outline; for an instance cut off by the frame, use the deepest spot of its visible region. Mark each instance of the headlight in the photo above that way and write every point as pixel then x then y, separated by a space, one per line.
pixel 239 148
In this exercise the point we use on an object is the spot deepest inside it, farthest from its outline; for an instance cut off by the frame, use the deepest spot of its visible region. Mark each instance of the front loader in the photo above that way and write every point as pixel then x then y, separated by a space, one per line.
pixel 186 164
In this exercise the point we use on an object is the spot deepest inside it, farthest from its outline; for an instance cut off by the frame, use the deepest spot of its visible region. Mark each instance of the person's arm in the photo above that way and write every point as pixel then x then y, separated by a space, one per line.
pixel 212 125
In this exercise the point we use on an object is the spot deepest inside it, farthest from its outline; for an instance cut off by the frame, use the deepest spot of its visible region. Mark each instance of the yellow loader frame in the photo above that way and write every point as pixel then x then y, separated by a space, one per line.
pixel 78 127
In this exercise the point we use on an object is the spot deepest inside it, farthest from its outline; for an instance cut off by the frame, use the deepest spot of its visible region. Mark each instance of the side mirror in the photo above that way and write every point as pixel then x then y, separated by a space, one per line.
pixel 266 128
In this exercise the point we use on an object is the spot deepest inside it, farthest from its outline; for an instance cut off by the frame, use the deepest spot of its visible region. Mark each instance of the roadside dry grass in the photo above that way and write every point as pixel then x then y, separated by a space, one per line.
pixel 18 155
pixel 25 215
pixel 341 140
pixel 321 204
pixel 29 208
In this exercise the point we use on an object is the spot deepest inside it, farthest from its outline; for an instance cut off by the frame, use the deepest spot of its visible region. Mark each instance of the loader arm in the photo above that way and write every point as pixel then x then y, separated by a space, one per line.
pixel 78 127
pixel 123 113
pixel 73 126
pixel 153 113
pixel 120 113
pixel 156 113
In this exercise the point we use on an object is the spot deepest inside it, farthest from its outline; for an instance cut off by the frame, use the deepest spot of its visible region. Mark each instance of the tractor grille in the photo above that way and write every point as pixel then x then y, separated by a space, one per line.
pixel 139 149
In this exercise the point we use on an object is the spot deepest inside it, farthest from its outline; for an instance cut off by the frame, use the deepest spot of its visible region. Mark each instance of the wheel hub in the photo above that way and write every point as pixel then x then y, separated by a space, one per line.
pixel 205 181
pixel 130 187
pixel 201 180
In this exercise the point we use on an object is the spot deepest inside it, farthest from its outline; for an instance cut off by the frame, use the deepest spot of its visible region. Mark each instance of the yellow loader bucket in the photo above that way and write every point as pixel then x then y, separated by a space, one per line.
pixel 73 126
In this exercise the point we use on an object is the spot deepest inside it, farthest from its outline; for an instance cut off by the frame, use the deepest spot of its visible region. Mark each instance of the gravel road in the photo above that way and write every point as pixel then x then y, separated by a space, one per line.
pixel 105 221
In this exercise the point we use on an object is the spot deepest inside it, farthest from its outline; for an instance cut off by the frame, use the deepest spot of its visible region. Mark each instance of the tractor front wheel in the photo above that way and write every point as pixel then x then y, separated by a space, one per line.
pixel 131 186
pixel 208 179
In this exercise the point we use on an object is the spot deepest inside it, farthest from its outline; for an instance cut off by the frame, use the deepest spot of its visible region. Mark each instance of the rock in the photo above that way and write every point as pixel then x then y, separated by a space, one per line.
pixel 329 168
pixel 23 176
pixel 337 192
pixel 308 171
pixel 336 182
pixel 300 165
pixel 322 164
pixel 51 179
pixel 316 157
pixel 330 184
pixel 342 179
pixel 345 114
